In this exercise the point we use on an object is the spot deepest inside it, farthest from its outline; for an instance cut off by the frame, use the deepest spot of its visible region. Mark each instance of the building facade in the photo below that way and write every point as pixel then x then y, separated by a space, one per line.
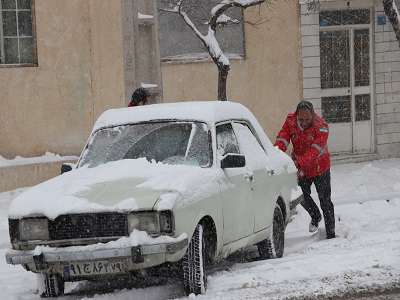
pixel 63 63
pixel 351 62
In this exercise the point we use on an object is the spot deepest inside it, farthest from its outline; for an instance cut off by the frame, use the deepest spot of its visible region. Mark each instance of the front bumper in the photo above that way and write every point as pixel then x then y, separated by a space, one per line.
pixel 46 259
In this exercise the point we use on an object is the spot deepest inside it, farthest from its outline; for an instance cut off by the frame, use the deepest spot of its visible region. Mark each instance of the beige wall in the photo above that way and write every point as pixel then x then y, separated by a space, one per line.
pixel 267 81
pixel 81 73
pixel 14 177
pixel 52 107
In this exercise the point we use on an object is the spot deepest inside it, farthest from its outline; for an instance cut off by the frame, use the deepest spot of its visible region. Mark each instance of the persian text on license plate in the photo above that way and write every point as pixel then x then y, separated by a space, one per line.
pixel 95 268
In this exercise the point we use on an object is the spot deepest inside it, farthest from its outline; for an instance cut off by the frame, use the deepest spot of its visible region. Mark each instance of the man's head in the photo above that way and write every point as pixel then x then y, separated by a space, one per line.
pixel 305 114
pixel 139 97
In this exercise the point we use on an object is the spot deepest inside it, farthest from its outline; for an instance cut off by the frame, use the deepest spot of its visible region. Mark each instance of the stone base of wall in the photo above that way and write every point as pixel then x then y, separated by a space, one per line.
pixel 18 176
pixel 389 150
pixel 338 159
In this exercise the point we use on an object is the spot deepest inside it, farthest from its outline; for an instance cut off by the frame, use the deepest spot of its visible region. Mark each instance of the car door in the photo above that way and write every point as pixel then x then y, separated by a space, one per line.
pixel 238 217
pixel 264 186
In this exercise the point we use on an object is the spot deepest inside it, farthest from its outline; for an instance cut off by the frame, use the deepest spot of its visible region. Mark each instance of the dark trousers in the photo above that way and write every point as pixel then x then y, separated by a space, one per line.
pixel 323 186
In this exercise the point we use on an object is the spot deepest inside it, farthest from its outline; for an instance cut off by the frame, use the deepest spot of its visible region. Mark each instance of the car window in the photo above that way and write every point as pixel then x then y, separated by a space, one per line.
pixel 226 140
pixel 255 154
pixel 166 142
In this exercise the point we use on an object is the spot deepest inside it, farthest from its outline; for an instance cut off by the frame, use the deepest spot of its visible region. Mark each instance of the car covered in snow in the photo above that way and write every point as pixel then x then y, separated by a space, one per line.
pixel 186 183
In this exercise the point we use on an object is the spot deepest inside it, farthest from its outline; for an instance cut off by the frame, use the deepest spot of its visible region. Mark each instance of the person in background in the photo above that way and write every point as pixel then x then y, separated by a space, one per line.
pixel 139 97
pixel 308 134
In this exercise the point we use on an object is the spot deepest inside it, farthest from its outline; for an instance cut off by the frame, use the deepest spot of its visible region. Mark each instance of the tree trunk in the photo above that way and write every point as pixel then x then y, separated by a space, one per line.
pixel 393 17
pixel 222 79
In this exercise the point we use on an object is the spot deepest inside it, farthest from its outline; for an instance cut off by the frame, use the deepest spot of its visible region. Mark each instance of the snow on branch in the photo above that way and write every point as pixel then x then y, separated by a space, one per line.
pixel 217 17
pixel 224 19
pixel 392 12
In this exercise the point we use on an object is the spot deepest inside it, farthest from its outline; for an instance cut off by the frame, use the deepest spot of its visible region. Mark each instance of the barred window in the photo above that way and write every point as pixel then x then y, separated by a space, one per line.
pixel 336 109
pixel 177 40
pixel 335 59
pixel 344 17
pixel 17 41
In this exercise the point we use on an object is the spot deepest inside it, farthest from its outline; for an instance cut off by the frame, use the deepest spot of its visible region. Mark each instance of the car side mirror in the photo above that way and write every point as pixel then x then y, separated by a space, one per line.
pixel 233 161
pixel 66 167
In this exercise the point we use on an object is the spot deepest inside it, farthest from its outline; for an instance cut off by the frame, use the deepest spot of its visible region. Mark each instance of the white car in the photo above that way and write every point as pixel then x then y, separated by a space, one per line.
pixel 184 182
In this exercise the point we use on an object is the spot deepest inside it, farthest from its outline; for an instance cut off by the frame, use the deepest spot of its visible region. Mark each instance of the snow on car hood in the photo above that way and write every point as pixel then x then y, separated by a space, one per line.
pixel 120 186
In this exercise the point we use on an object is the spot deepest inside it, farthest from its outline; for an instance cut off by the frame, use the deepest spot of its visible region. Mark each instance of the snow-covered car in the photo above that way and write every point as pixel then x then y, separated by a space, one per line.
pixel 183 182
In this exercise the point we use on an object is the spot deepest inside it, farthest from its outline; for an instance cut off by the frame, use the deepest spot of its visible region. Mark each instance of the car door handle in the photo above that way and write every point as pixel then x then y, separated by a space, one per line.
pixel 249 177
pixel 271 172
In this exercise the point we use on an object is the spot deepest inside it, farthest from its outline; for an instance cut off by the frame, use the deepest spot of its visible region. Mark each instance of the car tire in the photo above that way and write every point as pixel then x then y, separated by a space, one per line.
pixel 51 285
pixel 193 264
pixel 274 245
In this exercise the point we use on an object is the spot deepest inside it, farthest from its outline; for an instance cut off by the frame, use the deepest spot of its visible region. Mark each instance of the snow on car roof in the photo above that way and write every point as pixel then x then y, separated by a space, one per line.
pixel 205 111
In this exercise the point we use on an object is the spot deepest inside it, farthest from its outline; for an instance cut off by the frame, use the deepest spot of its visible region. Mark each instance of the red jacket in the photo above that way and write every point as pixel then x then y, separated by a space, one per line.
pixel 310 151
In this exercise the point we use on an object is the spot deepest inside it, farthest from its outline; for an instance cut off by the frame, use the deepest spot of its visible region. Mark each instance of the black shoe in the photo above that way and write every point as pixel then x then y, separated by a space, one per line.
pixel 330 236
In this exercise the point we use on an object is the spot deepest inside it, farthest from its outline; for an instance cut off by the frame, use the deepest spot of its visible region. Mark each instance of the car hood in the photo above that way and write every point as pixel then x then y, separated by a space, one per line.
pixel 119 186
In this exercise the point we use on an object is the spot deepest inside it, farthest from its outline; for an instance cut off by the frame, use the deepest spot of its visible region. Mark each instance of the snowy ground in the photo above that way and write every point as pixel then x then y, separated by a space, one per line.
pixel 364 257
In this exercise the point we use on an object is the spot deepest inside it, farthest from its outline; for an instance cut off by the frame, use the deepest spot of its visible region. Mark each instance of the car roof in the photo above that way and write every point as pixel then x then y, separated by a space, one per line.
pixel 205 111
pixel 210 112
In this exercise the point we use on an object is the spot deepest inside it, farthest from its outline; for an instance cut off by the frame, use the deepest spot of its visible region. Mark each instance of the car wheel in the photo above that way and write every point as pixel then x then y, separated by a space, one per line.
pixel 193 264
pixel 273 246
pixel 50 285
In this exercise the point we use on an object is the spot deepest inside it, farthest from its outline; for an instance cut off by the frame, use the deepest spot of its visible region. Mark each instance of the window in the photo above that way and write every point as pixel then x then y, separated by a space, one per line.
pixel 178 42
pixel 335 59
pixel 361 57
pixel 17 42
pixel 255 154
pixel 344 17
pixel 226 140
pixel 363 107
pixel 336 109
pixel 166 142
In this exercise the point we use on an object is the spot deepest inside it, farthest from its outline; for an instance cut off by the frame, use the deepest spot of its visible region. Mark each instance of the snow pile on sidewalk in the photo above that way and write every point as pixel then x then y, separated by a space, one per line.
pixel 365 255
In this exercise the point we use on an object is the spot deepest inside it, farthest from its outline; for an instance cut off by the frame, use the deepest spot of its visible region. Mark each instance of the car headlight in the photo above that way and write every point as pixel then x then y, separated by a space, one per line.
pixel 166 221
pixel 151 222
pixel 33 229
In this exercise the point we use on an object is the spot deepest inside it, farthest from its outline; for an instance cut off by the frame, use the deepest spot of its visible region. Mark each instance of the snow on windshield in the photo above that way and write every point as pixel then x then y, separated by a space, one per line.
pixel 167 142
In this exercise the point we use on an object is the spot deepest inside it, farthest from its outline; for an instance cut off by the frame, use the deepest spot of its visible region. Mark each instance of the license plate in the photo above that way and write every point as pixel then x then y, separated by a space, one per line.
pixel 95 268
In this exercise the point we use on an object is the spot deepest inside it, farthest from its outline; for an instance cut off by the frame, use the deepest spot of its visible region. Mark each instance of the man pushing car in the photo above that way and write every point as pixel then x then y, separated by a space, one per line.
pixel 308 134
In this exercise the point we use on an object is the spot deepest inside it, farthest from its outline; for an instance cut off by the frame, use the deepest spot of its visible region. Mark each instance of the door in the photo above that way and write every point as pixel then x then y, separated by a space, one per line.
pixel 346 81
pixel 238 217
pixel 264 185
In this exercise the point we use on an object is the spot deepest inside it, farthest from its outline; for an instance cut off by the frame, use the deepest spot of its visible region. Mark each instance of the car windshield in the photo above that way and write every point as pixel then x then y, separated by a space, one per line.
pixel 167 142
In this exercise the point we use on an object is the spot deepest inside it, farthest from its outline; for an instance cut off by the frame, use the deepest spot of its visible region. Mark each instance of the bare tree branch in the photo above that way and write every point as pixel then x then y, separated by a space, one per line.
pixel 169 10
pixel 217 18
pixel 392 12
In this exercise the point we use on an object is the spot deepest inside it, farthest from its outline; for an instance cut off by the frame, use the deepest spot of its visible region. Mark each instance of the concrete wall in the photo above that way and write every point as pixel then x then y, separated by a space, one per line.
pixel 141 48
pixel 386 67
pixel 311 56
pixel 268 80
pixel 80 73
pixel 14 177
pixel 387 75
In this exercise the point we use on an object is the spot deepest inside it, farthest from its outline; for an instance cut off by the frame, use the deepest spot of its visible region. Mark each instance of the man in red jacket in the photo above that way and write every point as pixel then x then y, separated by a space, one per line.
pixel 308 133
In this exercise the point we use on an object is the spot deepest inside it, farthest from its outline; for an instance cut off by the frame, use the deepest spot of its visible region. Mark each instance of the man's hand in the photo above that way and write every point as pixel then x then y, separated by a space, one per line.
pixel 300 173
